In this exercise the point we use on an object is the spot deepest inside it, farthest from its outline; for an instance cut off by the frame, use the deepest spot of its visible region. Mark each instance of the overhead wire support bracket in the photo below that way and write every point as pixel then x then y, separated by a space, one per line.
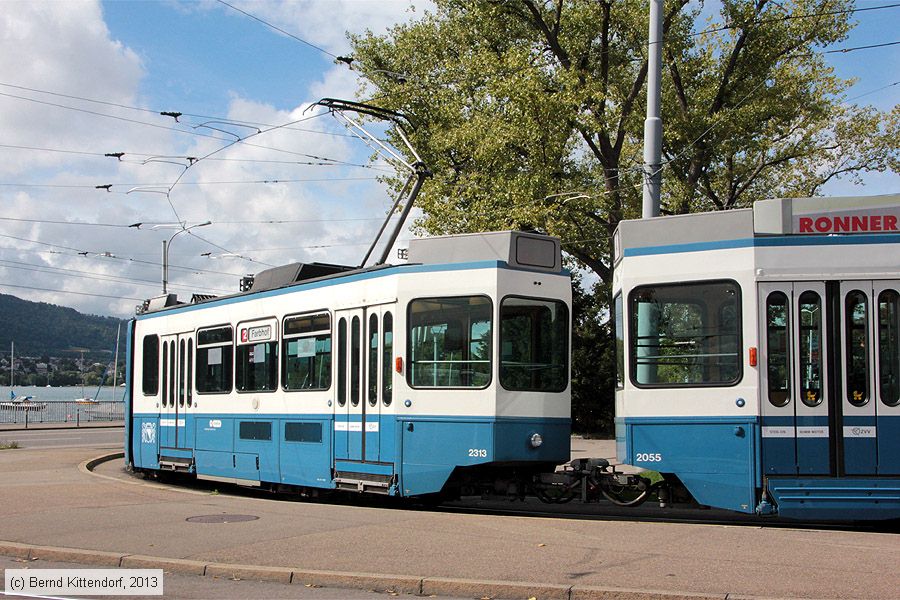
pixel 419 171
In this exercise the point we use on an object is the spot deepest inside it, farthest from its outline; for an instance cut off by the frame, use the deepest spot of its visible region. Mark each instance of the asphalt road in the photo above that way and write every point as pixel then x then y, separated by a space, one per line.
pixel 95 437
pixel 48 501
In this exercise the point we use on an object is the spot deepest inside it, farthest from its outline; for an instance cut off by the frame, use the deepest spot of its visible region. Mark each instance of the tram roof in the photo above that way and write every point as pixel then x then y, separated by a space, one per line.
pixel 832 217
pixel 512 249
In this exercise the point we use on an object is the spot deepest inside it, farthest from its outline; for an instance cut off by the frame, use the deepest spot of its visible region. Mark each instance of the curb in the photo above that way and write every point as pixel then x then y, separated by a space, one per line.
pixel 395 584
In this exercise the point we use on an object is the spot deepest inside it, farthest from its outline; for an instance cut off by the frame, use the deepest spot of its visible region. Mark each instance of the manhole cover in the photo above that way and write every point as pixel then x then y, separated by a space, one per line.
pixel 221 518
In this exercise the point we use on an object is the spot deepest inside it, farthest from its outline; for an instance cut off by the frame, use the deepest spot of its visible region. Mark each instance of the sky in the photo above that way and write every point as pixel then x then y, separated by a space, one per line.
pixel 82 78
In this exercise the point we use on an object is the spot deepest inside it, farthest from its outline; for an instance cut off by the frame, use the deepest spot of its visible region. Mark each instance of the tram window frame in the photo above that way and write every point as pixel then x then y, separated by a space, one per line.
pixel 851 349
pixel 323 335
pixel 150 366
pixel 226 359
pixel 182 374
pixel 356 335
pixel 172 374
pixel 242 354
pixel 464 344
pixel 340 365
pixel 372 352
pixel 779 396
pixel 719 312
pixel 808 359
pixel 507 371
pixel 190 372
pixel 619 339
pixel 387 351
pixel 165 373
pixel 888 329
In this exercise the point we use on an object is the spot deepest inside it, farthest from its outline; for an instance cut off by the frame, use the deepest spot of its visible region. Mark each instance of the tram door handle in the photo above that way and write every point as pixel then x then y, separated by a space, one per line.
pixel 739 431
pixel 409 427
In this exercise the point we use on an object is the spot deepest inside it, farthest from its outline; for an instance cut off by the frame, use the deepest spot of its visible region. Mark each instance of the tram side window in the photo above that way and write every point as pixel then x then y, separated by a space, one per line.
pixel 306 347
pixel 372 369
pixel 534 341
pixel 857 339
pixel 150 371
pixel 387 348
pixel 889 347
pixel 685 334
pixel 778 348
pixel 215 357
pixel 450 342
pixel 620 342
pixel 257 367
pixel 810 348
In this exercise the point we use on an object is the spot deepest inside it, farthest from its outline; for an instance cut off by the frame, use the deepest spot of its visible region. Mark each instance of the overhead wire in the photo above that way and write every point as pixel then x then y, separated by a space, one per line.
pixel 109 255
pixel 157 112
pixel 280 30
pixel 61 271
pixel 40 289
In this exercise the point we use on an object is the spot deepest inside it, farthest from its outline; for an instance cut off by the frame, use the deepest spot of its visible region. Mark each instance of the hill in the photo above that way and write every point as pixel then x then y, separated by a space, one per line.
pixel 41 329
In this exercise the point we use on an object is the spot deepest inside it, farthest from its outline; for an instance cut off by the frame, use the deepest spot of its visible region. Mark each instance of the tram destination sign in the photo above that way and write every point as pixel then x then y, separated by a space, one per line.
pixel 827 216
pixel 846 223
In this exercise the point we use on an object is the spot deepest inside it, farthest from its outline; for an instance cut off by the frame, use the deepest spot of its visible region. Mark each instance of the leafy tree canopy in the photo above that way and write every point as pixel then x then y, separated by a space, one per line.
pixel 530 112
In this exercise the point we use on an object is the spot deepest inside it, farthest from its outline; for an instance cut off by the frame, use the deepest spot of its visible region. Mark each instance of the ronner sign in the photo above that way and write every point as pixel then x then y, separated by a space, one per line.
pixel 827 216
pixel 856 223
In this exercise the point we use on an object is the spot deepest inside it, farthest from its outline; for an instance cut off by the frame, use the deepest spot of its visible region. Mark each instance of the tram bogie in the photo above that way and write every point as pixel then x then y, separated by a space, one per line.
pixel 396 380
pixel 759 355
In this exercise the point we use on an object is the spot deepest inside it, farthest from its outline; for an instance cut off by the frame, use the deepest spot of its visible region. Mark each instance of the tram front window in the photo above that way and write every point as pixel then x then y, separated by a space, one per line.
pixel 450 342
pixel 685 334
pixel 534 336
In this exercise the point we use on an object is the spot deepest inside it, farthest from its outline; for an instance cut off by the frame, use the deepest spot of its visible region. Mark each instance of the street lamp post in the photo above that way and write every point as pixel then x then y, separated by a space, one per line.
pixel 165 252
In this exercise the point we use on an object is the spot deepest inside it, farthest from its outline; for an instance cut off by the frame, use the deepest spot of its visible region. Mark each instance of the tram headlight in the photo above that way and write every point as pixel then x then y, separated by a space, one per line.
pixel 536 440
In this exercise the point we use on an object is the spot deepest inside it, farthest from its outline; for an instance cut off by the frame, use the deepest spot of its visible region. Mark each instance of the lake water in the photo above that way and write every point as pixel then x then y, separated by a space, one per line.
pixel 65 394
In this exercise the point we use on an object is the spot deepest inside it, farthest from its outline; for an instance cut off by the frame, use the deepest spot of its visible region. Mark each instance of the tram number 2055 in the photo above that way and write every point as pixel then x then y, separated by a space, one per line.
pixel 478 452
pixel 648 457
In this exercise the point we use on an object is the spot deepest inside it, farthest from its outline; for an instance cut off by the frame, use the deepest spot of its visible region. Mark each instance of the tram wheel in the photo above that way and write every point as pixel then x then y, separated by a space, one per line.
pixel 623 495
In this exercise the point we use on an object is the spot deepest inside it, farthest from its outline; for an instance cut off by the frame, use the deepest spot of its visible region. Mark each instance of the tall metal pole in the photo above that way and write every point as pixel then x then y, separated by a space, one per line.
pixel 165 266
pixel 653 122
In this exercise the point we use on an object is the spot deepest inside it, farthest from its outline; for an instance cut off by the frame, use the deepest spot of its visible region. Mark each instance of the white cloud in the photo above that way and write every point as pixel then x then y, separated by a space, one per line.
pixel 66 47
pixel 325 23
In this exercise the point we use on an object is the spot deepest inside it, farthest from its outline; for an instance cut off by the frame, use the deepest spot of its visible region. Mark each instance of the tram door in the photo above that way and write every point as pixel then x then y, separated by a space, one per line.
pixel 870 359
pixel 797 425
pixel 360 388
pixel 177 355
pixel 829 372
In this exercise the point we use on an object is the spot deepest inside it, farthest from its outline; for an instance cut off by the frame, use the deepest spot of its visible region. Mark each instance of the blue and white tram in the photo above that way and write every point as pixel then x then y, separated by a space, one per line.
pixel 759 355
pixel 448 372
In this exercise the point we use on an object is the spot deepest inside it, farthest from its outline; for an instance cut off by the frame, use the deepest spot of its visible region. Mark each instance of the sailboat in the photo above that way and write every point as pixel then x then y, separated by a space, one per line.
pixel 87 400
pixel 24 403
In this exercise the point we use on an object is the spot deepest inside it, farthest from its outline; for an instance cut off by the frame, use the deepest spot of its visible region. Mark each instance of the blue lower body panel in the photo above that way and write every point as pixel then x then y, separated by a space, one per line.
pixel 305 450
pixel 889 445
pixel 715 458
pixel 844 499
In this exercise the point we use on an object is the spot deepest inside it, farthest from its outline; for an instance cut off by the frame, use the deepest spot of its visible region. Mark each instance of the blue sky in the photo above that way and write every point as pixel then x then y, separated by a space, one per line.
pixel 207 59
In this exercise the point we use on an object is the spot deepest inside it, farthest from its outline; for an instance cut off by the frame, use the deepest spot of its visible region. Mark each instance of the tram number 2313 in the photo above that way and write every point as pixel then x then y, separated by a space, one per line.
pixel 478 452
pixel 648 457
